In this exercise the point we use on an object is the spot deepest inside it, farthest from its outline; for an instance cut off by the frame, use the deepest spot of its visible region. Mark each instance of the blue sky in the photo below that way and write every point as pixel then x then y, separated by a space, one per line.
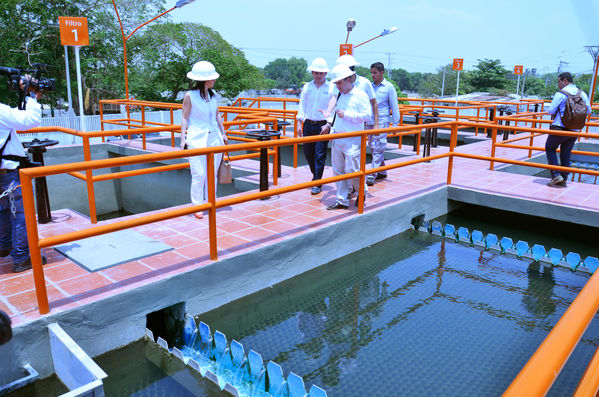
pixel 534 33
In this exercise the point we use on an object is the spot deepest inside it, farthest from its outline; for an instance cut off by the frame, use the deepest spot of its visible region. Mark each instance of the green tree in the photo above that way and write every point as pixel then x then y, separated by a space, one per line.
pixel 533 86
pixel 489 74
pixel 165 52
pixel 287 72
pixel 159 55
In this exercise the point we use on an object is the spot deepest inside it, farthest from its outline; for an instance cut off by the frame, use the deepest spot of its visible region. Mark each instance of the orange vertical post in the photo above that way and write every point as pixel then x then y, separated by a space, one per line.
pixel 143 124
pixel 102 120
pixel 89 181
pixel 493 139
pixel 452 142
pixel 362 183
pixel 401 124
pixel 295 144
pixel 33 241
pixel 172 132
pixel 212 210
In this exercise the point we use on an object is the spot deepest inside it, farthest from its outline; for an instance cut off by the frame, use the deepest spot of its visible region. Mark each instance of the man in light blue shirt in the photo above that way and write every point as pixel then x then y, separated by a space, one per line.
pixel 565 143
pixel 386 98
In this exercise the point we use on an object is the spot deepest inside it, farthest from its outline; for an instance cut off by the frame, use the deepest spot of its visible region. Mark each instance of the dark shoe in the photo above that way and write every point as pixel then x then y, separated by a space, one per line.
pixel 562 184
pixel 370 181
pixel 555 181
pixel 358 198
pixel 381 176
pixel 4 253
pixel 5 328
pixel 337 206
pixel 315 190
pixel 25 265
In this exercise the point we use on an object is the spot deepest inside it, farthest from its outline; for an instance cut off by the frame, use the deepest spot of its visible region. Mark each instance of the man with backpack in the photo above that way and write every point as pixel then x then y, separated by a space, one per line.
pixel 569 109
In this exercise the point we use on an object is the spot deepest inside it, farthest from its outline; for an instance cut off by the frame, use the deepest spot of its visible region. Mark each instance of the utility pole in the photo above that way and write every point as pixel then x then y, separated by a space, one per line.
pixel 559 68
pixel 443 83
pixel 594 51
pixel 389 62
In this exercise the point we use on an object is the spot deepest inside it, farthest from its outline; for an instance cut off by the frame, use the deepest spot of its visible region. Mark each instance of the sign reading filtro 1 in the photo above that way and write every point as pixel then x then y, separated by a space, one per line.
pixel 73 31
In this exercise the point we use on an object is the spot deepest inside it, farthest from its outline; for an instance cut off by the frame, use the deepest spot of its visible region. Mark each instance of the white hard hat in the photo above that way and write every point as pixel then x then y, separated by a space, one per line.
pixel 347 60
pixel 203 71
pixel 318 65
pixel 340 72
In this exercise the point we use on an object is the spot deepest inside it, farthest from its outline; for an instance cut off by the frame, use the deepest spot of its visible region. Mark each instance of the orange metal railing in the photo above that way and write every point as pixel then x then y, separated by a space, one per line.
pixel 536 377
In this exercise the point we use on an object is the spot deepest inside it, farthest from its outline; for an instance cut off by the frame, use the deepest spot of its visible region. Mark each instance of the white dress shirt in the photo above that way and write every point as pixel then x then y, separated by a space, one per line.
pixel 313 98
pixel 11 120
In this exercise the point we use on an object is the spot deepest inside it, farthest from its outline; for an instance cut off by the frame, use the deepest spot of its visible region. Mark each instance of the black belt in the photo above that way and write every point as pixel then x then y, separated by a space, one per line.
pixel 320 122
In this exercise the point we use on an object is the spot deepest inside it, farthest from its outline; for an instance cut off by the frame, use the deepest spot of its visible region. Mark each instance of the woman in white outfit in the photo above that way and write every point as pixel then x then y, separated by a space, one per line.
pixel 201 126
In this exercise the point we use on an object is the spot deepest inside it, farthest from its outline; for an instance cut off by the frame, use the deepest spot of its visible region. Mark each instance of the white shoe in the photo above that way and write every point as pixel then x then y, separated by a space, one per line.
pixel 555 181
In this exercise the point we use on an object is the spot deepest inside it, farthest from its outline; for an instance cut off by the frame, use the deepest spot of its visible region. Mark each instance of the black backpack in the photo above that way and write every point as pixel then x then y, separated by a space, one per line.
pixel 575 111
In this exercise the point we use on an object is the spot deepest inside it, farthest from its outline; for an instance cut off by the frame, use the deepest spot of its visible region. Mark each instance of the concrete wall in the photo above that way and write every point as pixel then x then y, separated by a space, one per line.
pixel 119 320
pixel 133 194
pixel 576 215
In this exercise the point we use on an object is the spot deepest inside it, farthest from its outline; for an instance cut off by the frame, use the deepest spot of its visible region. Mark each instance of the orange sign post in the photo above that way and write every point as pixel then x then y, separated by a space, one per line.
pixel 458 64
pixel 346 49
pixel 73 32
pixel 518 71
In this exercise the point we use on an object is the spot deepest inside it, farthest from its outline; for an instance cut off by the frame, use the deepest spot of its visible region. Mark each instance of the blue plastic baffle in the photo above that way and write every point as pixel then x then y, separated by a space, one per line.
pixel 538 252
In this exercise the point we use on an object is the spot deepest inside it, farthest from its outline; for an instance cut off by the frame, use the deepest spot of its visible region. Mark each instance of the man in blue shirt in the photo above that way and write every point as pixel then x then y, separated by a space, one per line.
pixel 565 143
pixel 386 98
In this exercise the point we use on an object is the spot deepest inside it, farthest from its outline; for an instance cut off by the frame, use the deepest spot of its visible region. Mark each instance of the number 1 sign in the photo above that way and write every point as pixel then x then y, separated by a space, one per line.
pixel 73 31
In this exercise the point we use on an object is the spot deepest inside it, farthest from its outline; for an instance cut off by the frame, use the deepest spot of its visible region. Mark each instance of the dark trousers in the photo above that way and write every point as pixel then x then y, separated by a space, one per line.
pixel 13 233
pixel 565 143
pixel 315 152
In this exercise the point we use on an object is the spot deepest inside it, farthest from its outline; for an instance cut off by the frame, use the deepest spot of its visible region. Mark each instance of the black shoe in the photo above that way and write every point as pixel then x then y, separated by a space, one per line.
pixel 4 253
pixel 25 265
pixel 358 198
pixel 337 206
pixel 315 190
pixel 370 181
pixel 5 328
pixel 380 176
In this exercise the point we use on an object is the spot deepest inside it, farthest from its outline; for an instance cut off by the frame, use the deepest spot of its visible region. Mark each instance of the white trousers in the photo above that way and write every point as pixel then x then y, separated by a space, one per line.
pixel 377 144
pixel 345 158
pixel 199 177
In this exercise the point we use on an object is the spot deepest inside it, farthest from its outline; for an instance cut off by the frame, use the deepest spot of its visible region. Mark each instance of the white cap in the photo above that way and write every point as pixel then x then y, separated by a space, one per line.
pixel 347 60
pixel 203 71
pixel 318 65
pixel 340 72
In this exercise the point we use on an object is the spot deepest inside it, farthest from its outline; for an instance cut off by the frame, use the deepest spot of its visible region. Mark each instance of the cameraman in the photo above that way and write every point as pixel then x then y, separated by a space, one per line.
pixel 13 233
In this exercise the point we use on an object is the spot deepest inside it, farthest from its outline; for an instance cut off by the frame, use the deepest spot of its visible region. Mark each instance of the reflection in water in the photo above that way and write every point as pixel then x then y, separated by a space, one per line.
pixel 538 299
pixel 427 315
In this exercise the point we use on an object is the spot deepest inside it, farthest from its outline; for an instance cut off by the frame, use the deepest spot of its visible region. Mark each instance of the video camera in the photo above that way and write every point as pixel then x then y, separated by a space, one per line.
pixel 35 81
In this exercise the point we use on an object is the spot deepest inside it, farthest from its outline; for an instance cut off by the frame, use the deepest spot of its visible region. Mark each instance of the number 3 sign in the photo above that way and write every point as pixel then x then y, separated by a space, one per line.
pixel 73 31
pixel 458 64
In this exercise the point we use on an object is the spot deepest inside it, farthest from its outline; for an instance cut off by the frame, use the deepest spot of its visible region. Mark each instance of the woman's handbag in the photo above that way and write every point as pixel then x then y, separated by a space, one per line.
pixel 224 170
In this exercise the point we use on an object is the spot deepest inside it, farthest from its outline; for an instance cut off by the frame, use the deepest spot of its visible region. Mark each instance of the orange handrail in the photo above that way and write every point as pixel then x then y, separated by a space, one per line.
pixel 535 378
